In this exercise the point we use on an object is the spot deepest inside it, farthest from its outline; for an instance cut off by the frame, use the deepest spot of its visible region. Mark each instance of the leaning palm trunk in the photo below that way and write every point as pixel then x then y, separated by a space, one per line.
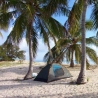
pixel 82 75
pixel 30 70
pixel 57 59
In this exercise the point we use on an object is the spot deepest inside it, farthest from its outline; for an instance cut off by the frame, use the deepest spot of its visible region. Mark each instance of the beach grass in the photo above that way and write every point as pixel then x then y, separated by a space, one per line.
pixel 9 63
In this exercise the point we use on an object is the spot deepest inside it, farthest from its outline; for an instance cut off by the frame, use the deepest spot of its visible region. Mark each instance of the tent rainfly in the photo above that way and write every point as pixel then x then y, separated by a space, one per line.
pixel 52 72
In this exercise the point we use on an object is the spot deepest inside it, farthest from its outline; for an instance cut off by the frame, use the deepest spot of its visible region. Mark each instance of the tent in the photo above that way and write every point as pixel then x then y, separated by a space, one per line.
pixel 52 72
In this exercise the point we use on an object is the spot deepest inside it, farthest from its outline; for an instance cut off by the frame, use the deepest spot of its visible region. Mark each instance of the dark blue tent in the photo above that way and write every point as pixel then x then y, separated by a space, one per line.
pixel 52 72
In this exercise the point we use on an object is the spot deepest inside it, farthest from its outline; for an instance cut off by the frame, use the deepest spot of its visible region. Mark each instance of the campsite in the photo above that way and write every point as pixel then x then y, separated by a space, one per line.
pixel 48 48
pixel 52 72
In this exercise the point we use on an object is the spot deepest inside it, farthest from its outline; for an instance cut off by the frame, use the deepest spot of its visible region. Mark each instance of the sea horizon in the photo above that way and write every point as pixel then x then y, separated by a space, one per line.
pixel 64 62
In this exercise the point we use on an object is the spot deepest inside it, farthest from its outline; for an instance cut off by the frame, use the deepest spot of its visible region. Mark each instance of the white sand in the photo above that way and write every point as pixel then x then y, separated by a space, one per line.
pixel 11 87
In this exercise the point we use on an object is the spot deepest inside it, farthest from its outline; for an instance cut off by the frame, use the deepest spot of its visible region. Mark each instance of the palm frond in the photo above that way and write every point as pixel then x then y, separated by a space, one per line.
pixel 89 25
pixel 7 5
pixel 92 1
pixel 43 32
pixel 5 19
pixel 56 7
pixel 75 16
pixel 19 28
pixel 68 55
pixel 94 16
pixel 92 41
pixel 47 56
pixel 63 42
pixel 57 57
pixel 54 27
pixel 61 55
pixel 77 53
pixel 35 42
pixel 91 54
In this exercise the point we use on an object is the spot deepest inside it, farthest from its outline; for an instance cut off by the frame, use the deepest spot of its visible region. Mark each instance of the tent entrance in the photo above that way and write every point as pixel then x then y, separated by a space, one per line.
pixel 58 71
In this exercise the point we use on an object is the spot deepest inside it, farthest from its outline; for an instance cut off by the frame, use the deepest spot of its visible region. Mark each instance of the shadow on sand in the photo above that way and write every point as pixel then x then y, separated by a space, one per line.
pixel 21 70
pixel 31 83
pixel 60 95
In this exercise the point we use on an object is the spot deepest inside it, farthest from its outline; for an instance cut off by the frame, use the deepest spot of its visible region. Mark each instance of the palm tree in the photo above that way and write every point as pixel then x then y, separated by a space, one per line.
pixel 82 75
pixel 73 18
pixel 71 47
pixel 72 25
pixel 25 24
pixel 30 20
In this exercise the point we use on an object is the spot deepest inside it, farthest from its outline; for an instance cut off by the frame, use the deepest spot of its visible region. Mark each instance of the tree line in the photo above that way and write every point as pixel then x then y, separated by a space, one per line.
pixel 10 52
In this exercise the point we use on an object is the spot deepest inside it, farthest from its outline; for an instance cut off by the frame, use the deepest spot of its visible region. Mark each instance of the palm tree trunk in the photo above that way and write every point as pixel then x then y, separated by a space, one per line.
pixel 30 70
pixel 49 49
pixel 82 75
pixel 57 59
pixel 72 63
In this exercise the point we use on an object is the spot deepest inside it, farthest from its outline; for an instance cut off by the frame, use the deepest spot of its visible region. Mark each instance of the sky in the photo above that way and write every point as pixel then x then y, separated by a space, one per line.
pixel 42 48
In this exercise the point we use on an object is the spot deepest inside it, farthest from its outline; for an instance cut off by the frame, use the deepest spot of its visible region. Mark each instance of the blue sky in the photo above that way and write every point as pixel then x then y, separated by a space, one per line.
pixel 42 49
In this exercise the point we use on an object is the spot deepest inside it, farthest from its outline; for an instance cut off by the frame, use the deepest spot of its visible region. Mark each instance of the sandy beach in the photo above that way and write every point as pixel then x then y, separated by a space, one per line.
pixel 12 86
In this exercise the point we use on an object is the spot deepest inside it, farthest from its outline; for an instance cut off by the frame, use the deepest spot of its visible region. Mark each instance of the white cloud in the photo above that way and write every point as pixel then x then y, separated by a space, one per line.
pixel 40 56
pixel 27 55
pixel 23 45
pixel 52 43
pixel 95 48
pixel 42 49
pixel 10 29
pixel 41 46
